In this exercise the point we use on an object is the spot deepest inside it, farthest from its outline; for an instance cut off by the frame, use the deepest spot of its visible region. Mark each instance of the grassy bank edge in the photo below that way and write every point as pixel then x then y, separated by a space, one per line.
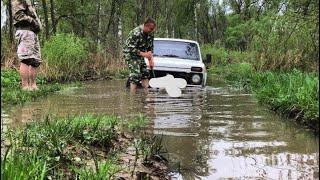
pixel 293 94
pixel 12 94
pixel 80 147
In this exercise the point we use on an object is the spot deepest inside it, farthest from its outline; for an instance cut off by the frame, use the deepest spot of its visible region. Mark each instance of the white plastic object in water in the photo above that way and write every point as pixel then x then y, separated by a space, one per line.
pixel 171 84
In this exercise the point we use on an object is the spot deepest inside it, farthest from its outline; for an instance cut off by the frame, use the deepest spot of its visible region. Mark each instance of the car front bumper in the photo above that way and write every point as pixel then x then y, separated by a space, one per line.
pixel 184 75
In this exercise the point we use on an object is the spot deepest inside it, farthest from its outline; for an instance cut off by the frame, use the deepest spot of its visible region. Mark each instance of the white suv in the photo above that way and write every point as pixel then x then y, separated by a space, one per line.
pixel 180 58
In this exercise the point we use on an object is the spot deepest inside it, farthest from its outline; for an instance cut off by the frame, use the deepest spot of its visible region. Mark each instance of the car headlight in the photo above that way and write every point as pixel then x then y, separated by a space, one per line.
pixel 196 79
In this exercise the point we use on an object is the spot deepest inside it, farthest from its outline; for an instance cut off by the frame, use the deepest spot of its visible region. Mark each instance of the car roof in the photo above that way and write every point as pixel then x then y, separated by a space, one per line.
pixel 173 39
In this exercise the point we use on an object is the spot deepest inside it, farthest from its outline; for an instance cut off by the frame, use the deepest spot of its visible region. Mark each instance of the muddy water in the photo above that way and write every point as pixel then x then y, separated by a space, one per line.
pixel 209 133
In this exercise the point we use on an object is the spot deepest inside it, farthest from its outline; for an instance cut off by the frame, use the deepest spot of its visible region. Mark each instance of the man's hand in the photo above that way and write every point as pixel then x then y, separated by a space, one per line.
pixel 151 63
pixel 146 54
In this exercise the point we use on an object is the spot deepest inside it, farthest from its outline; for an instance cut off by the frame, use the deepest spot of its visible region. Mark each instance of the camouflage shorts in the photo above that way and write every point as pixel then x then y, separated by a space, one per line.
pixel 138 70
pixel 28 47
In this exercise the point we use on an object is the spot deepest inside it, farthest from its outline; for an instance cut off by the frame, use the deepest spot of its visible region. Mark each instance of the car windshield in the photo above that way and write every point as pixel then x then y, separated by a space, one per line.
pixel 176 49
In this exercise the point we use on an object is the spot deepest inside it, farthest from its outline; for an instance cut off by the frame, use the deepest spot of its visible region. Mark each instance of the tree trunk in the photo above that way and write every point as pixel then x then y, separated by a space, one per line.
pixel 155 8
pixel 195 21
pixel 214 27
pixel 113 6
pixel 167 21
pixel 120 30
pixel 83 19
pixel 10 21
pixel 98 20
pixel 138 12
pixel 172 32
pixel 144 10
pixel 53 18
pixel 46 22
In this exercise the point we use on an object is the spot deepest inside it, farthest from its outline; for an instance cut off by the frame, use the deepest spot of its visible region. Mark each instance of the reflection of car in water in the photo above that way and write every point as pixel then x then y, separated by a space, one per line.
pixel 180 58
pixel 175 116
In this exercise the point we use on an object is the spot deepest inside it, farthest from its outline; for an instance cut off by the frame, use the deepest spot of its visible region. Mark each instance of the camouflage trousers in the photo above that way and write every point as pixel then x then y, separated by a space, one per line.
pixel 28 47
pixel 138 70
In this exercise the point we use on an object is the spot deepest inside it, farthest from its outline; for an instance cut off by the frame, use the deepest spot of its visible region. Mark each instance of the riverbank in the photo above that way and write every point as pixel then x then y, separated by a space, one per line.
pixel 85 147
pixel 66 58
pixel 12 94
pixel 292 94
pixel 103 149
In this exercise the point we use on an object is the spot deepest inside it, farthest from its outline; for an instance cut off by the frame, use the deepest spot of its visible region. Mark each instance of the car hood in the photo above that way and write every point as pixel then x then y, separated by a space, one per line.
pixel 175 64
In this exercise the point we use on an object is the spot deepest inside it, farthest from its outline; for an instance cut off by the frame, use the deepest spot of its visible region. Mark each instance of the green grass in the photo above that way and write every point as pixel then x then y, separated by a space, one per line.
pixel 17 165
pixel 55 147
pixel 136 123
pixel 11 92
pixel 239 74
pixel 294 94
pixel 79 147
pixel 106 170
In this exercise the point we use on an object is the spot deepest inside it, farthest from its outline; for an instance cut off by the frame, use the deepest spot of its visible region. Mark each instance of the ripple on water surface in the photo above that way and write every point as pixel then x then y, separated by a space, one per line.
pixel 210 133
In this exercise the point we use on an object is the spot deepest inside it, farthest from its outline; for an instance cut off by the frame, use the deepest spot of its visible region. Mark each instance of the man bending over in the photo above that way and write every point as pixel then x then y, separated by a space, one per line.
pixel 139 45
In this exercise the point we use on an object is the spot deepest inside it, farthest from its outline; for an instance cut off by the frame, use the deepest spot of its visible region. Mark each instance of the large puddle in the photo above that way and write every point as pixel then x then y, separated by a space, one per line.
pixel 210 133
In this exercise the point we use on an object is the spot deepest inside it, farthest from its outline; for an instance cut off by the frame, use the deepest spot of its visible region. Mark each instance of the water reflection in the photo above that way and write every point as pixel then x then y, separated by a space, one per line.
pixel 210 133
pixel 217 133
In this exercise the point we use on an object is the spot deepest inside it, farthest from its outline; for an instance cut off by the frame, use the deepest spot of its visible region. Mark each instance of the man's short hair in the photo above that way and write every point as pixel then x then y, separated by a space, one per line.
pixel 150 20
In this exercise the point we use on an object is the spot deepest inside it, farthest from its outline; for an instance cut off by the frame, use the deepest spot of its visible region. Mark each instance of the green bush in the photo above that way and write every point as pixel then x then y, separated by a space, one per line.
pixel 10 79
pixel 242 57
pixel 221 56
pixel 286 42
pixel 65 55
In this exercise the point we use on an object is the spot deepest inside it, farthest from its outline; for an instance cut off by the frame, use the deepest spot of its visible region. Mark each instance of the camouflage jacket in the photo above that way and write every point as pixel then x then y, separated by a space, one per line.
pixel 137 41
pixel 25 16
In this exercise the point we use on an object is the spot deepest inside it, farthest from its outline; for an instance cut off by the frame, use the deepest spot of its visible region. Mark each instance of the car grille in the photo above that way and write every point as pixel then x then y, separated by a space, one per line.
pixel 186 76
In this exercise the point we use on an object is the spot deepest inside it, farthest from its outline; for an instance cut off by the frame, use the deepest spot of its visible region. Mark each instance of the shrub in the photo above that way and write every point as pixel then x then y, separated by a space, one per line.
pixel 286 42
pixel 222 56
pixel 219 54
pixel 65 55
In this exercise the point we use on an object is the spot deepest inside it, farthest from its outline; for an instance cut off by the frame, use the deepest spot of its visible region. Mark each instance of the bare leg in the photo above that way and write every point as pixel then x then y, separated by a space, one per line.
pixel 32 78
pixel 145 83
pixel 24 74
pixel 133 87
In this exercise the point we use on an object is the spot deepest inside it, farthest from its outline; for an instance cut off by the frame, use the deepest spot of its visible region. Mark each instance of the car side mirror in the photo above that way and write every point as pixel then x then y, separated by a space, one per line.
pixel 208 59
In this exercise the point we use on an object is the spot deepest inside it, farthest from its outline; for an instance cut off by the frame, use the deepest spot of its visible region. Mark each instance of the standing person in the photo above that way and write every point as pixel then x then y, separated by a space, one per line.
pixel 139 45
pixel 28 25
